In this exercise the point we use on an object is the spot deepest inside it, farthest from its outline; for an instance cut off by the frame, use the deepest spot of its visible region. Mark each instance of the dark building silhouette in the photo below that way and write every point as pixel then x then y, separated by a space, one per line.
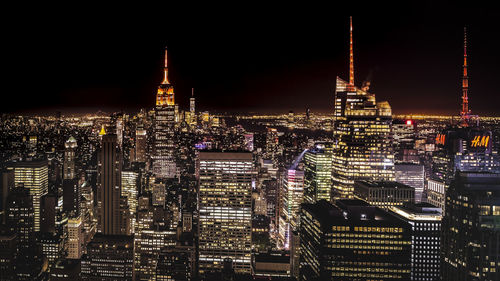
pixel 113 216
pixel 6 184
pixel 8 254
pixel 21 221
pixel 65 269
pixel 109 257
pixel 48 213
pixel 384 194
pixel 71 197
pixel 471 231
pixel 352 240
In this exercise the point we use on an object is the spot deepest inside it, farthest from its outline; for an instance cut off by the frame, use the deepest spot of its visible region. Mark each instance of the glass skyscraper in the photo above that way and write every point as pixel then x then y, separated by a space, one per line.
pixel 362 139
pixel 318 173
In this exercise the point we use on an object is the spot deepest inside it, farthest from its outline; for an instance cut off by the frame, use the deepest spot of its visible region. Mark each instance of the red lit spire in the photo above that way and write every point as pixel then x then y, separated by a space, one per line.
pixel 465 84
pixel 351 56
pixel 165 70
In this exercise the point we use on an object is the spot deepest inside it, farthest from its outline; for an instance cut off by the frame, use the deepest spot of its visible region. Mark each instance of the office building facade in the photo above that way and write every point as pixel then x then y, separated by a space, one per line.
pixel 318 173
pixel 471 233
pixel 352 241
pixel 424 220
pixel 225 210
pixel 33 175
pixel 384 194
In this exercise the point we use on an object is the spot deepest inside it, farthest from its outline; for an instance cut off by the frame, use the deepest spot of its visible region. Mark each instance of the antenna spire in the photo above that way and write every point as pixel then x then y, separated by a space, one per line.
pixel 165 69
pixel 192 92
pixel 351 56
pixel 465 82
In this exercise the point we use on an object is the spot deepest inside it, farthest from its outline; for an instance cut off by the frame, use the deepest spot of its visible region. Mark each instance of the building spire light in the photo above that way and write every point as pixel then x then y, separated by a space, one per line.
pixel 165 70
pixel 351 56
pixel 465 113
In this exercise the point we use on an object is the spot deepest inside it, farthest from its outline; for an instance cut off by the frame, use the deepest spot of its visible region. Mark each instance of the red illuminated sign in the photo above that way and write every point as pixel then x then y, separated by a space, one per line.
pixel 440 139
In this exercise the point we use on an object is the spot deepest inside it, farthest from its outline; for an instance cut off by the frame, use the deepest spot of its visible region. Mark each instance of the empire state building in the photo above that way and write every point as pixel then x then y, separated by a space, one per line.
pixel 164 125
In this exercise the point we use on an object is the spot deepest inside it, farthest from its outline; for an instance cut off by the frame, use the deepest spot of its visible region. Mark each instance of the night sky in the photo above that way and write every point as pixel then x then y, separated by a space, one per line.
pixel 253 58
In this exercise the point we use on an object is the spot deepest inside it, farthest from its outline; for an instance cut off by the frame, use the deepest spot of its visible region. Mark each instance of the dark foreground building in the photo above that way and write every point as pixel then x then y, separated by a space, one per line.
pixel 424 220
pixel 109 257
pixel 352 240
pixel 471 228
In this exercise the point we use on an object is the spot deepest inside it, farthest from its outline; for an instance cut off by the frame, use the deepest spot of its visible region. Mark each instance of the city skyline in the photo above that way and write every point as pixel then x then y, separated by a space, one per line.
pixel 185 183
pixel 274 65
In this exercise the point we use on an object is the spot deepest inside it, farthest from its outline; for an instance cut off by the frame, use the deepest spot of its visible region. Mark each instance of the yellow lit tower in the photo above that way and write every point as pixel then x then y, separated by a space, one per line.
pixel 165 94
pixel 362 146
pixel 164 128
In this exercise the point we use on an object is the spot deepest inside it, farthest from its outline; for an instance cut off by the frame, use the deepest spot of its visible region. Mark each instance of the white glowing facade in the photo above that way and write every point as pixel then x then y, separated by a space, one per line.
pixel 130 190
pixel 225 210
pixel 291 196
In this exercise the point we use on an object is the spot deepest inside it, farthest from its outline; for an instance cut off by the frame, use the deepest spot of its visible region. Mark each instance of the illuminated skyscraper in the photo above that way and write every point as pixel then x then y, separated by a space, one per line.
pixel 140 145
pixel 412 175
pixel 164 128
pixel 130 189
pixel 470 231
pixel 192 104
pixel 113 211
pixel 291 196
pixel 76 238
pixel 352 241
pixel 33 175
pixel 362 135
pixel 272 143
pixel 403 132
pixel 152 235
pixel 466 149
pixel 424 220
pixel 225 210
pixel 318 173
pixel 69 158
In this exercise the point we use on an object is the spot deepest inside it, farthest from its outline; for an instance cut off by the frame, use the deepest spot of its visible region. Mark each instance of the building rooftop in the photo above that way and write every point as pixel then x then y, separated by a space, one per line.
pixel 348 210
pixel 272 257
pixel 112 240
pixel 382 184
pixel 225 155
